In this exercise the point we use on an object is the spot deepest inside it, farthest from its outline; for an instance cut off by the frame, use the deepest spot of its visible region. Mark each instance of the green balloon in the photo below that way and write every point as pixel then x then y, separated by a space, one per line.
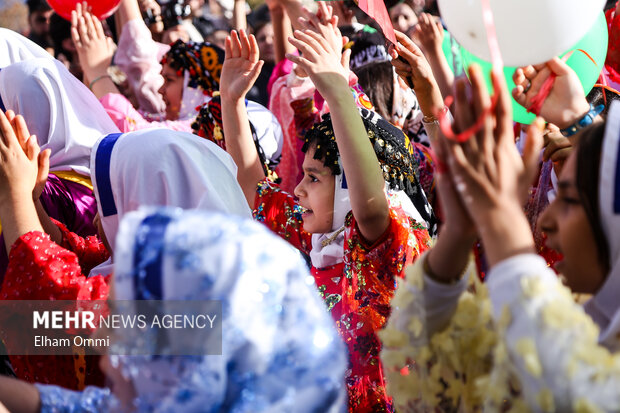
pixel 594 43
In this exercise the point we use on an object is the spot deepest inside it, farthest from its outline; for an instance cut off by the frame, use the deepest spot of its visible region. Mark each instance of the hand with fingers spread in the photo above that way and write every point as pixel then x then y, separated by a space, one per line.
pixel 324 65
pixel 412 66
pixel 241 66
pixel 94 49
pixel 565 104
pixel 430 34
pixel 487 170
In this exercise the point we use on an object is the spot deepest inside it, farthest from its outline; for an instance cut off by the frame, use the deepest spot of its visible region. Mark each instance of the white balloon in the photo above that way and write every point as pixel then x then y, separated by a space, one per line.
pixel 528 31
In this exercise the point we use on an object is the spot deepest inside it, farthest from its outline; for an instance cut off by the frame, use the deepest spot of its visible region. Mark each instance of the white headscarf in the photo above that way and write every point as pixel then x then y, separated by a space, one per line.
pixel 64 115
pixel 15 48
pixel 604 307
pixel 161 167
pixel 280 350
pixel 332 253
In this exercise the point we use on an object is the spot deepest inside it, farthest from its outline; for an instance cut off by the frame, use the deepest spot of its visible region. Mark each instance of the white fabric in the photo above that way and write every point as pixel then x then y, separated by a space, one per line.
pixel 280 348
pixel 64 115
pixel 604 307
pixel 333 253
pixel 160 167
pixel 16 48
pixel 192 98
pixel 573 367
pixel 268 130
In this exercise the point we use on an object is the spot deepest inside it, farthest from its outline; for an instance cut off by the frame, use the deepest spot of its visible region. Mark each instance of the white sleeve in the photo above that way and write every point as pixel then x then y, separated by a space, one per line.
pixel 552 344
pixel 426 336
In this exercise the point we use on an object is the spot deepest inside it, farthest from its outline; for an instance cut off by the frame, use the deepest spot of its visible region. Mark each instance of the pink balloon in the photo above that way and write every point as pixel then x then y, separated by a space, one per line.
pixel 100 8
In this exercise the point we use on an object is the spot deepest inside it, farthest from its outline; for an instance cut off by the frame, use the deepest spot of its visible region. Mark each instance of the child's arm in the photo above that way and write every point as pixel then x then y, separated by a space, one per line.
pixel 322 63
pixel 94 51
pixel 239 72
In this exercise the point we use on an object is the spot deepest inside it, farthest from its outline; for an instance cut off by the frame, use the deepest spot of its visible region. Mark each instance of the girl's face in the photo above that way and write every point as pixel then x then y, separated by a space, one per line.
pixel 569 232
pixel 264 38
pixel 171 91
pixel 403 17
pixel 316 194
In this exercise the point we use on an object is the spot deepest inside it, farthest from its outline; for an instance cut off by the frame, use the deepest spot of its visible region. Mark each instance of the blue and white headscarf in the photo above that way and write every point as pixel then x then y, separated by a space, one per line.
pixel 281 351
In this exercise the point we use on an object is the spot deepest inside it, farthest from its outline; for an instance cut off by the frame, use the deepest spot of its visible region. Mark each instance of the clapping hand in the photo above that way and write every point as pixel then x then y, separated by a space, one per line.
pixel 24 168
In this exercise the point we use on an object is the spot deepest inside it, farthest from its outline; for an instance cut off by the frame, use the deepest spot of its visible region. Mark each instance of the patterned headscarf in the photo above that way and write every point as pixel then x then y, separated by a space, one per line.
pixel 280 349
pixel 203 62
pixel 201 66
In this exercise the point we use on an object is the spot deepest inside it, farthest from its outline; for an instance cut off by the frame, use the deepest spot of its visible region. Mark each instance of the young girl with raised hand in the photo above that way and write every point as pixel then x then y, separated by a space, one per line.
pixel 521 341
pixel 358 237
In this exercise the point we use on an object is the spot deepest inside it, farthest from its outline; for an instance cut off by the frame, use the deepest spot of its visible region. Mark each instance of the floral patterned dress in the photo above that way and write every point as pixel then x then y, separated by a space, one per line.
pixel 358 290
pixel 40 269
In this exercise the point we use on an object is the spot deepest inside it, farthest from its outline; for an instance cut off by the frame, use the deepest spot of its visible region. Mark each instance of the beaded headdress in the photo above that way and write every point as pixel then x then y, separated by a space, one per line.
pixel 203 61
pixel 391 146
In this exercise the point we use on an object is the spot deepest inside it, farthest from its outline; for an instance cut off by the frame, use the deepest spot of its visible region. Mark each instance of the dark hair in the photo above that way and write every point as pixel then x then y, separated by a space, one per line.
pixel 394 153
pixel 60 29
pixel 377 80
pixel 259 18
pixel 37 5
pixel 587 181
pixel 602 96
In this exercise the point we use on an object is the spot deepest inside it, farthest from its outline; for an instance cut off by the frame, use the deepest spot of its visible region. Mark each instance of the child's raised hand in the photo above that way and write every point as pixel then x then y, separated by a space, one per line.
pixel 325 24
pixel 487 170
pixel 241 66
pixel 325 66
pixel 430 34
pixel 412 65
pixel 94 48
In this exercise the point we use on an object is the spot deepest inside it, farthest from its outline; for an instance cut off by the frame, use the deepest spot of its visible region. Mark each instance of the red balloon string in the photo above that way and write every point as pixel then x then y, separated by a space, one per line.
pixel 545 89
pixel 496 58
pixel 541 96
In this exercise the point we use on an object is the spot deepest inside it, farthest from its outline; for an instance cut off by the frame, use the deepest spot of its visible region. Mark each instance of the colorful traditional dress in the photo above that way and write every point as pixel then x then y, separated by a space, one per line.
pixel 356 291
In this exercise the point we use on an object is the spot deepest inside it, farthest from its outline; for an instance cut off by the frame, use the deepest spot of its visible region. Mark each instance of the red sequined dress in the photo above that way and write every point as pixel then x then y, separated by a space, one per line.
pixel 357 291
pixel 40 269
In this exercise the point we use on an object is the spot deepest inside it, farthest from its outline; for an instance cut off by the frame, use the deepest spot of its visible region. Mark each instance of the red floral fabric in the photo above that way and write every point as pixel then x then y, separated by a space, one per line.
pixel 613 49
pixel 357 291
pixel 40 269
